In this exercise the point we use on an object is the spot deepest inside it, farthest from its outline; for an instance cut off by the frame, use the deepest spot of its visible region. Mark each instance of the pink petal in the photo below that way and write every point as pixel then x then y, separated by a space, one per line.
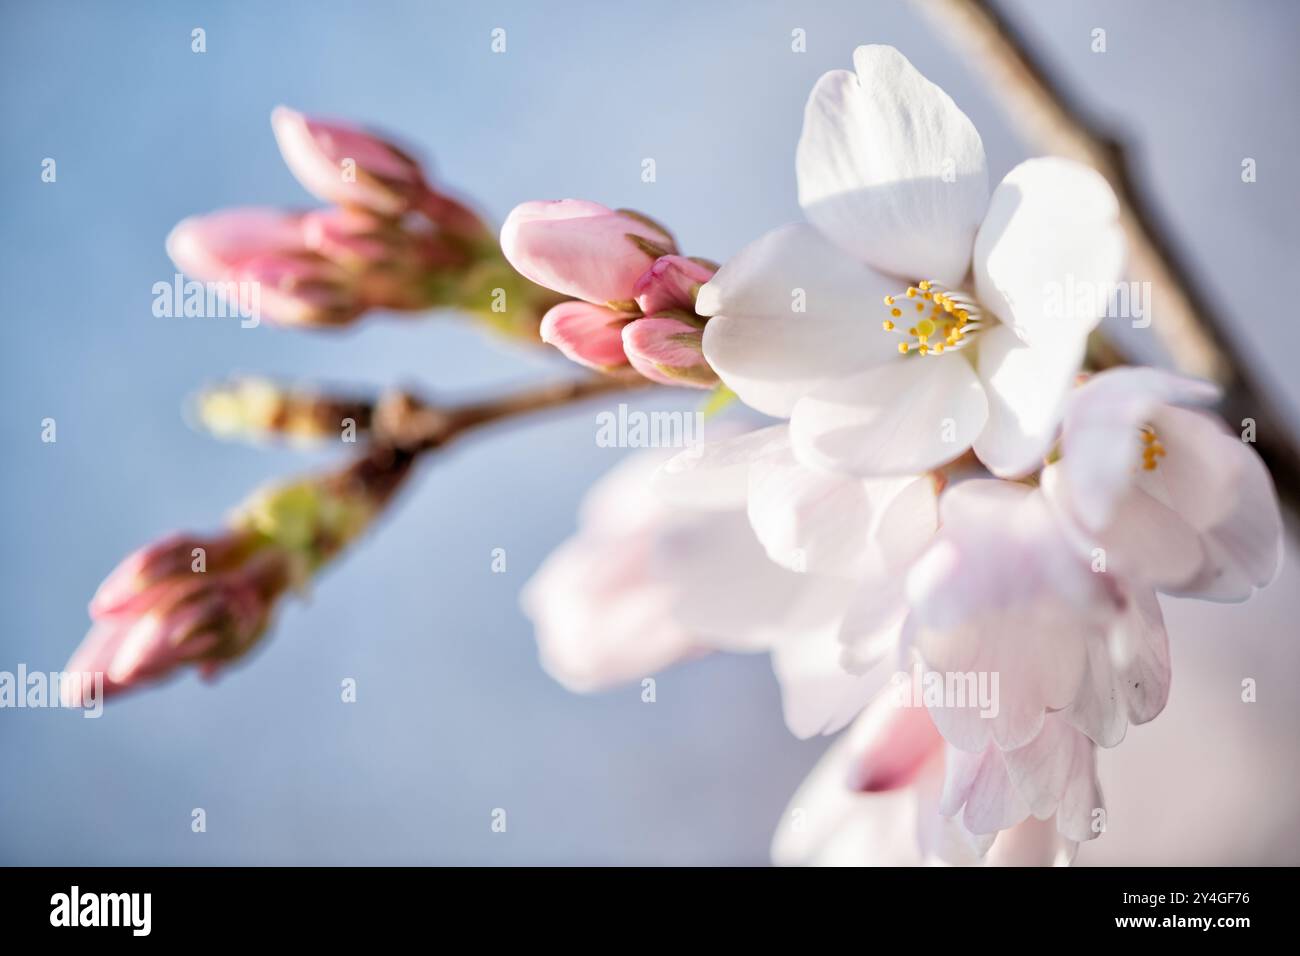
pixel 581 249
pixel 668 351
pixel 588 334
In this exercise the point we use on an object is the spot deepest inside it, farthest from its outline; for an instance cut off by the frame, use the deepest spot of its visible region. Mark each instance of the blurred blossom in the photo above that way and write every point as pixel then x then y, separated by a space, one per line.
pixel 646 582
pixel 391 242
pixel 889 792
pixel 214 246
pixel 343 164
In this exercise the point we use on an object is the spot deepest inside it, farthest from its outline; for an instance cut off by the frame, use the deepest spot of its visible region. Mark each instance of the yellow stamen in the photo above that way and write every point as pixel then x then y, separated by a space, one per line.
pixel 941 326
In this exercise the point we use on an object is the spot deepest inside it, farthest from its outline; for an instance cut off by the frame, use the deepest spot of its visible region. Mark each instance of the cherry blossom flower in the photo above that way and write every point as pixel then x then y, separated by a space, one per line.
pixel 1165 491
pixel 890 792
pixel 912 317
pixel 1001 588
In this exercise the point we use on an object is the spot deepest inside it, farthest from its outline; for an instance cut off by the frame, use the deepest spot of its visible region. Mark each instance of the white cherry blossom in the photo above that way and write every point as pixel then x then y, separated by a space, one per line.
pixel 1165 491
pixel 913 316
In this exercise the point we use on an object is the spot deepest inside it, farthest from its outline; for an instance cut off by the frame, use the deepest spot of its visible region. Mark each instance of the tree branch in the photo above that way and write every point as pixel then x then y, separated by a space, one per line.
pixel 1196 339
pixel 405 421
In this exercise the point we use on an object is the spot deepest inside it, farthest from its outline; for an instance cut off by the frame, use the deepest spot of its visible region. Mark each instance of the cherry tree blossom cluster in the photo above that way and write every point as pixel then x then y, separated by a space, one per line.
pixel 949 496
pixel 950 532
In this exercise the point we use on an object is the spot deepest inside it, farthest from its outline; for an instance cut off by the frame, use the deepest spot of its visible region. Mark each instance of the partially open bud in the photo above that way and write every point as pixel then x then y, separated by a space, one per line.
pixel 347 165
pixel 668 350
pixel 583 249
pixel 590 335
pixel 673 282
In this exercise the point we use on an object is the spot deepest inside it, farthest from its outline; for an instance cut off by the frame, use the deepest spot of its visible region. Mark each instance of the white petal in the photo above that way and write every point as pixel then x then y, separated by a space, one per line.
pixel 830 821
pixel 1050 249
pixel 814 520
pixel 1057 774
pixel 727 592
pixel 902 418
pixel 1143 539
pixel 818 696
pixel 944 839
pixel 891 170
pixel 1032 843
pixel 1026 388
pixel 1001 592
pixel 790 311
pixel 1139 651
pixel 600 619
pixel 979 786
pixel 715 475
pixel 1243 548
pixel 1100 453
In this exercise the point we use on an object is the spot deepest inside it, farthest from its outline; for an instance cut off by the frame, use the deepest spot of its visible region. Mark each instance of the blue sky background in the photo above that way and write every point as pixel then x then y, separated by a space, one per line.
pixel 454 715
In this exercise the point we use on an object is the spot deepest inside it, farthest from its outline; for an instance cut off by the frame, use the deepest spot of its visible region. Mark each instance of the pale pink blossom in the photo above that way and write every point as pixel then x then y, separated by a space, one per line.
pixel 1001 588
pixel 889 792
pixel 841 535
pixel 1163 491
pixel 647 581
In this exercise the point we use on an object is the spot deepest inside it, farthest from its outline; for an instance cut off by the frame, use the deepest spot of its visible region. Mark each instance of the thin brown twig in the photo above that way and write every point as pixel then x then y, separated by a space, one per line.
pixel 1197 340
pixel 405 421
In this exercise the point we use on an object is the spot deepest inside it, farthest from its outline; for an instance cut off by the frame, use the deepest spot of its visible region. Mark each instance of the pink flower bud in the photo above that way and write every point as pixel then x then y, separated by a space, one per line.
pixel 583 249
pixel 203 617
pixel 668 351
pixel 590 335
pixel 177 556
pixel 211 247
pixel 348 166
pixel 672 282
pixel 302 289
